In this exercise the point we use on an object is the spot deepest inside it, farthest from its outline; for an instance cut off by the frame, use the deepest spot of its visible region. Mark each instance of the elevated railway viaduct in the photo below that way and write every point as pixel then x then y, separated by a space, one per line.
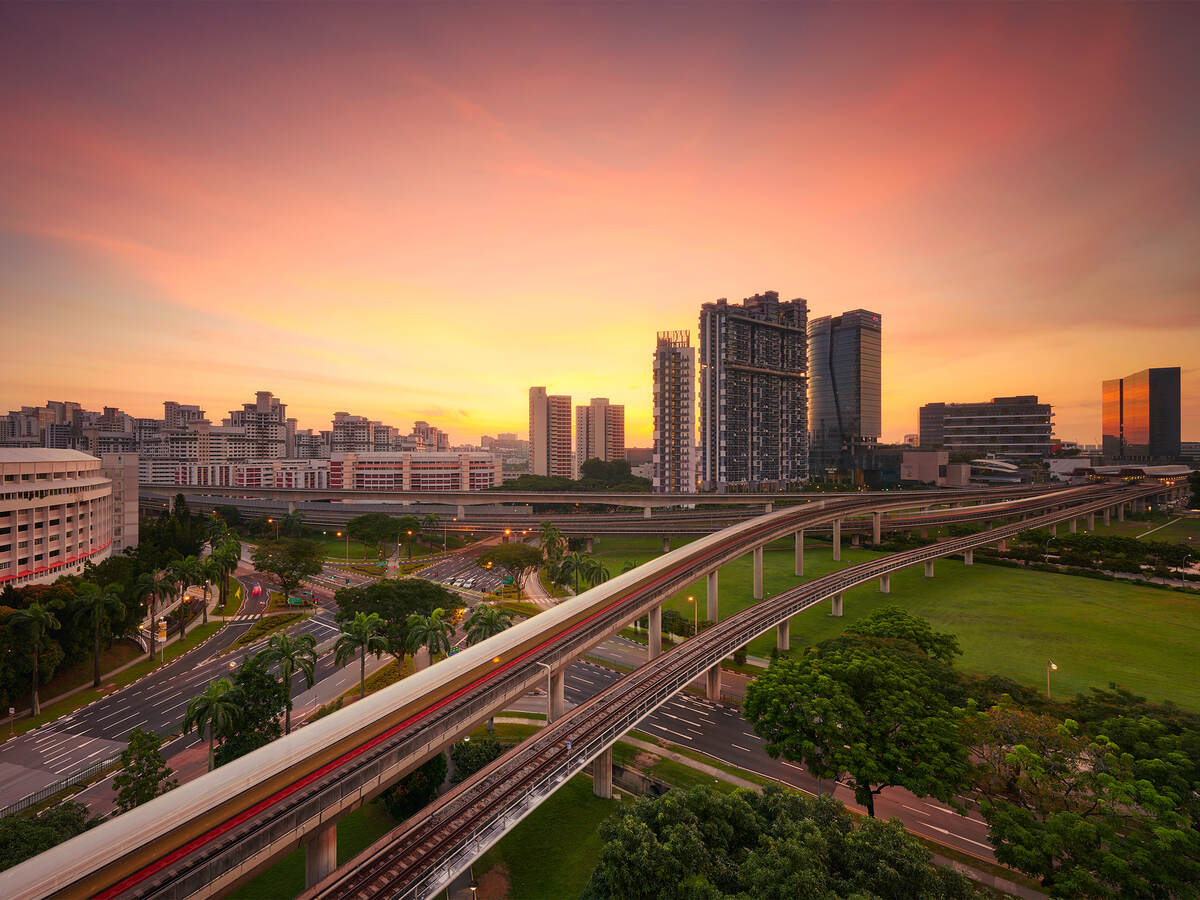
pixel 209 835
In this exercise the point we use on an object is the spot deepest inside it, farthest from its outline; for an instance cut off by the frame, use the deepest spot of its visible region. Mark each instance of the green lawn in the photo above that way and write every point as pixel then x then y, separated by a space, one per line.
pixel 1009 621
pixel 355 832
pixel 552 852
pixel 337 548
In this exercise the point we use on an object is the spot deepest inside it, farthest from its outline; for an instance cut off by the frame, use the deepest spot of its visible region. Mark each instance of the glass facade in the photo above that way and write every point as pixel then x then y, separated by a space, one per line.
pixel 1140 416
pixel 845 391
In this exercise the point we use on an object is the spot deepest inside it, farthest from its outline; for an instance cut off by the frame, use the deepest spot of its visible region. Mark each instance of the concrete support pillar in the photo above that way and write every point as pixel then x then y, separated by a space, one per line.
pixel 837 606
pixel 556 701
pixel 712 683
pixel 320 854
pixel 885 584
pixel 1091 521
pixel 783 636
pixel 1107 517
pixel 768 507
pixel 929 568
pixel 876 528
pixel 645 512
pixel 655 632
pixel 711 609
pixel 837 540
pixel 1073 525
pixel 666 544
pixel 969 557
pixel 1003 545
pixel 588 545
pixel 855 540
pixel 602 774
pixel 800 552
pixel 291 507
pixel 1054 529
pixel 462 511
pixel 1120 512
pixel 758 573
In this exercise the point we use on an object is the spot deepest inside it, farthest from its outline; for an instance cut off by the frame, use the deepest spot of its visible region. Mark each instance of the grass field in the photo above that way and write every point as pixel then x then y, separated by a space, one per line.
pixel 337 548
pixel 552 852
pixel 1009 621
pixel 355 832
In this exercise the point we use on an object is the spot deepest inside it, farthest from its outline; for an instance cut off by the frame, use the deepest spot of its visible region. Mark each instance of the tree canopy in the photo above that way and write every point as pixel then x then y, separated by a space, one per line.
pixel 291 560
pixel 778 845
pixel 868 706
pixel 394 600
pixel 514 558
pixel 144 773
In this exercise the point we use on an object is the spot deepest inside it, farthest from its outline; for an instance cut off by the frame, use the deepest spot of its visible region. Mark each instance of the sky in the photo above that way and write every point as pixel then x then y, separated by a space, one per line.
pixel 417 211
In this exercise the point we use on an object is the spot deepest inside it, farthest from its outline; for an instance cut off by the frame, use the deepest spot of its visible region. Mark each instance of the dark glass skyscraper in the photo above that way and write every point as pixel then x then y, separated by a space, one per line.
pixel 753 393
pixel 845 393
pixel 1140 416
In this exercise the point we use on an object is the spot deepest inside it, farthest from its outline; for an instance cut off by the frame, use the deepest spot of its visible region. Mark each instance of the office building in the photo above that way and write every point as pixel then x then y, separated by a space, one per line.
pixel 1140 416
pixel 754 393
pixel 56 514
pixel 1003 426
pixel 673 462
pixel 599 431
pixel 550 434
pixel 845 398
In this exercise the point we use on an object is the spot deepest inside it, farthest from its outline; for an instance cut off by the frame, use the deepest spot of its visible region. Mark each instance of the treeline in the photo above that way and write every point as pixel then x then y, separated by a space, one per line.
pixel 45 628
pixel 596 476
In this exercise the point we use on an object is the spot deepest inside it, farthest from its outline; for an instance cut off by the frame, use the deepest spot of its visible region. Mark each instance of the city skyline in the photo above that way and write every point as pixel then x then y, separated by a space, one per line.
pixel 335 206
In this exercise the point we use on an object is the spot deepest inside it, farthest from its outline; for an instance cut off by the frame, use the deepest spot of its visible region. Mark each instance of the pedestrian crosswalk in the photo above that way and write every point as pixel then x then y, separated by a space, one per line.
pixel 249 618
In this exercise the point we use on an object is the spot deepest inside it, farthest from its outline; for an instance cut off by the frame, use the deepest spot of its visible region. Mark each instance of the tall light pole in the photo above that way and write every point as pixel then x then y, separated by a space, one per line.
pixel 339 534
pixel 276 524
pixel 695 615
pixel 410 543
pixel 1051 666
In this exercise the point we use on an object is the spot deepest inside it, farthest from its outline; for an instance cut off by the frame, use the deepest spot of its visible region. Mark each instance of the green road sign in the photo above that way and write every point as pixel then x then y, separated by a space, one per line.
pixel 295 601
pixel 507 579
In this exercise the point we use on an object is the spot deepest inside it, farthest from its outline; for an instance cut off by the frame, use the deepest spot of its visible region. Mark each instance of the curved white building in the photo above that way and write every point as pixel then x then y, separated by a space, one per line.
pixel 56 513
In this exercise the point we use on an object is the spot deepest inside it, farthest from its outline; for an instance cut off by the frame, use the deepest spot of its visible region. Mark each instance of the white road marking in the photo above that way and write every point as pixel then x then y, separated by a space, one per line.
pixel 740 747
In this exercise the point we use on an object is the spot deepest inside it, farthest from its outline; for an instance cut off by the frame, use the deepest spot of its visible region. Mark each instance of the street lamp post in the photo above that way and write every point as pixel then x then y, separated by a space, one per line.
pixel 410 543
pixel 1051 666
pixel 276 524
pixel 339 534
pixel 695 615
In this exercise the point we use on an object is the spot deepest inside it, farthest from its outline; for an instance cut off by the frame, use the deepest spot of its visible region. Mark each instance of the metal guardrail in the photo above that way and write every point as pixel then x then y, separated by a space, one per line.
pixel 50 790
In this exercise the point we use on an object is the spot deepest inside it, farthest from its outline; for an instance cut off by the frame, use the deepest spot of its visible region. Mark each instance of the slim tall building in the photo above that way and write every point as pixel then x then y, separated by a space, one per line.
pixel 673 461
pixel 599 431
pixel 1141 416
pixel 844 391
pixel 265 425
pixel 550 434
pixel 753 392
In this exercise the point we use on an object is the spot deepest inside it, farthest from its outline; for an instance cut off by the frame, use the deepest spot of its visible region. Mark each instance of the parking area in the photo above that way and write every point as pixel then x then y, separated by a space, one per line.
pixel 462 572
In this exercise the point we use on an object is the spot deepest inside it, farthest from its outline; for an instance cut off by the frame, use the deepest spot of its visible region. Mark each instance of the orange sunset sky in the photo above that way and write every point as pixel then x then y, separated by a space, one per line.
pixel 418 211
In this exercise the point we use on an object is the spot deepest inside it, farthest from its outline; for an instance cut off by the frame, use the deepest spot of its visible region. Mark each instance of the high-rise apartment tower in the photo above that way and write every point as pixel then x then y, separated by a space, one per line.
pixel 599 431
pixel 754 393
pixel 845 396
pixel 674 461
pixel 550 434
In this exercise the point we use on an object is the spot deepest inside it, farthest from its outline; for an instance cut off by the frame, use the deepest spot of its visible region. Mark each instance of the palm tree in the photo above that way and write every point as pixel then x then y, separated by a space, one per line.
pixel 432 632
pixel 187 572
pixel 363 633
pixel 217 708
pixel 96 603
pixel 485 621
pixel 211 568
pixel 553 541
pixel 595 572
pixel 298 654
pixel 573 564
pixel 230 554
pixel 430 522
pixel 163 589
pixel 37 620
pixel 630 565
pixel 217 529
